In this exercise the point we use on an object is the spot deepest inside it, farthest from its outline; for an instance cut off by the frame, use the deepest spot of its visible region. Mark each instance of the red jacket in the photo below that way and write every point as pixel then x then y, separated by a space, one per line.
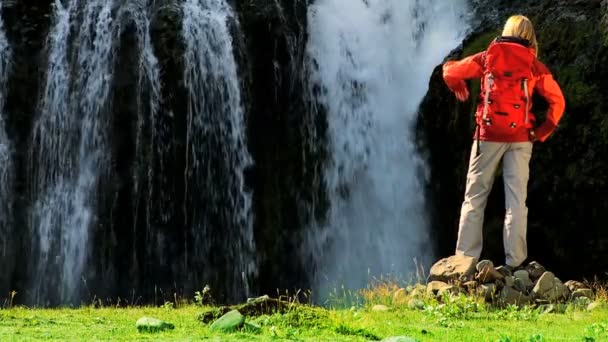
pixel 456 72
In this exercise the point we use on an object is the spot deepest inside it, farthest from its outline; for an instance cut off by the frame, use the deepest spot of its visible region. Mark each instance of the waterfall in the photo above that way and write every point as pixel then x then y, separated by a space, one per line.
pixel 371 61
pixel 69 151
pixel 6 160
pixel 217 155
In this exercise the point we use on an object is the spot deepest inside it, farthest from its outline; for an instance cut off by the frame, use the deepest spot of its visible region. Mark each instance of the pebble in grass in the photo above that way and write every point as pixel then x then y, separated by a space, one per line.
pixel 150 324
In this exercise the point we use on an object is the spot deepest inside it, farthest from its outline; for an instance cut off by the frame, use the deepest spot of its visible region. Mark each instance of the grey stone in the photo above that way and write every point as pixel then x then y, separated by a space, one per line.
pixel 453 268
pixel 509 281
pixel 488 274
pixel 575 285
pixel 550 288
pixel 524 276
pixel 510 296
pixel 150 324
pixel 434 287
pixel 487 291
pixel 230 322
pixel 484 264
pixel 583 293
pixel 535 270
pixel 504 271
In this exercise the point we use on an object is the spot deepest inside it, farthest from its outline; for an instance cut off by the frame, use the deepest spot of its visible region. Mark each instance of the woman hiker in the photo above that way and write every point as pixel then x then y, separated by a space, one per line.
pixel 510 73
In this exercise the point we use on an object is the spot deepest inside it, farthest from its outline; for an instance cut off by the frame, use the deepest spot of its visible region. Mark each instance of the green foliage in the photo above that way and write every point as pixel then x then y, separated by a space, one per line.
pixel 343 329
pixel 515 313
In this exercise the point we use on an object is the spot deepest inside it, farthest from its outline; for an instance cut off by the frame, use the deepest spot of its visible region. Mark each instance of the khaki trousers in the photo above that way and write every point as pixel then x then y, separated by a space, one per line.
pixel 515 159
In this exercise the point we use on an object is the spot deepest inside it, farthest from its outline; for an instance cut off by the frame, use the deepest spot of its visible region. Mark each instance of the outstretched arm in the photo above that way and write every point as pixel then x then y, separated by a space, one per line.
pixel 456 72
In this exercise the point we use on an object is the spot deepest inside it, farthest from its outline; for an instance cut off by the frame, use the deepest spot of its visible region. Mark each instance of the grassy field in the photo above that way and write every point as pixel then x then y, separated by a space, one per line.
pixel 459 319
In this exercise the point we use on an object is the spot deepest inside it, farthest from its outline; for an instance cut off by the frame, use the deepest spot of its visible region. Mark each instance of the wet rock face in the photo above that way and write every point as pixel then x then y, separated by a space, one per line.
pixel 566 172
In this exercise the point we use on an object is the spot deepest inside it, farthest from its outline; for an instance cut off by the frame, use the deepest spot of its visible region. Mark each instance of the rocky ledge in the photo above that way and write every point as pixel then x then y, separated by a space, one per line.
pixel 529 284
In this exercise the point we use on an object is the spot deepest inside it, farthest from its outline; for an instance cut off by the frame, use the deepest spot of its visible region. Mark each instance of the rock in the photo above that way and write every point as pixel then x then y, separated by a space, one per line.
pixel 379 308
pixel 213 314
pixel 470 285
pixel 581 302
pixel 418 291
pixel 519 285
pixel 400 339
pixel 400 297
pixel 510 296
pixel 583 293
pixel 524 276
pixel 535 270
pixel 575 285
pixel 504 271
pixel 150 324
pixel 415 304
pixel 522 281
pixel 434 287
pixel 509 281
pixel 550 288
pixel 230 322
pixel 450 289
pixel 483 264
pixel 488 291
pixel 263 305
pixel 488 274
pixel 453 268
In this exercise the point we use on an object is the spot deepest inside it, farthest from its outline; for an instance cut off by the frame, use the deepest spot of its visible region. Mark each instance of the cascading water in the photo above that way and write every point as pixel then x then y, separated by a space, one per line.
pixel 6 161
pixel 69 148
pixel 217 154
pixel 372 61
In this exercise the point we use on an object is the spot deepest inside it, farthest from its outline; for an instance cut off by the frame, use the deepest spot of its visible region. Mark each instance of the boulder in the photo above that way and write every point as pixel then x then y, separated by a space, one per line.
pixel 550 288
pixel 575 285
pixel 487 291
pixel 434 287
pixel 230 322
pixel 483 264
pixel 510 296
pixel 488 274
pixel 451 290
pixel 535 270
pixel 470 285
pixel 150 324
pixel 400 297
pixel 504 271
pixel 418 291
pixel 588 293
pixel 594 306
pixel 509 281
pixel 524 276
pixel 453 268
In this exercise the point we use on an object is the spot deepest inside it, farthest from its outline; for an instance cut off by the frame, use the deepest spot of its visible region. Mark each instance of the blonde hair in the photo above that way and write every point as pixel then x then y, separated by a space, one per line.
pixel 521 27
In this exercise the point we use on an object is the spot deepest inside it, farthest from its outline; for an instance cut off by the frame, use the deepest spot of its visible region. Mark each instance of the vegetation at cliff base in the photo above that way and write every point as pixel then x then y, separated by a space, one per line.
pixel 384 312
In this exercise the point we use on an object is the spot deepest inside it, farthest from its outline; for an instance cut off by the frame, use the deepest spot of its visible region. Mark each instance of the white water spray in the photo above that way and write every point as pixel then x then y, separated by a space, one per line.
pixel 69 148
pixel 6 162
pixel 216 137
pixel 372 60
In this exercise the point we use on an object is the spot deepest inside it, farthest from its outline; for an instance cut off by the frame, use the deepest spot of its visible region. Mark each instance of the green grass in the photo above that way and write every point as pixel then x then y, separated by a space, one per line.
pixel 462 319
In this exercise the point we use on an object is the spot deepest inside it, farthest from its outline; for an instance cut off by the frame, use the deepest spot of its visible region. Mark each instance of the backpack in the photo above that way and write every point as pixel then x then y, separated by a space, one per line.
pixel 505 94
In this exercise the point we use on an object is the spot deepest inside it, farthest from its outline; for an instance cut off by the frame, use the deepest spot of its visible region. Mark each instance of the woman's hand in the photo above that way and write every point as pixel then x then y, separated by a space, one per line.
pixel 532 134
pixel 462 95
